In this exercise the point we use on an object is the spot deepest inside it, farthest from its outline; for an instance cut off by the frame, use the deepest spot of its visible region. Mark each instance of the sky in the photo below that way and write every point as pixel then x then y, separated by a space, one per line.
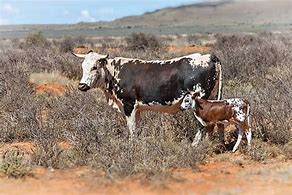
pixel 74 11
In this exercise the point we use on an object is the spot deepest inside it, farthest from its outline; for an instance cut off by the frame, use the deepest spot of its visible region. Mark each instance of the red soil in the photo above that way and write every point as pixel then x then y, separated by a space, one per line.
pixel 54 89
pixel 215 177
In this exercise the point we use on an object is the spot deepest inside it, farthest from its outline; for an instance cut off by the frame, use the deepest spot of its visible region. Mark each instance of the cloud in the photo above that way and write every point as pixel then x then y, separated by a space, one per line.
pixel 9 9
pixel 85 16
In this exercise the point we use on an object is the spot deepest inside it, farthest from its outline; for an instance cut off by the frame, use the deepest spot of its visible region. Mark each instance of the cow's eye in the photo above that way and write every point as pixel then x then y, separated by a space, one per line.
pixel 94 68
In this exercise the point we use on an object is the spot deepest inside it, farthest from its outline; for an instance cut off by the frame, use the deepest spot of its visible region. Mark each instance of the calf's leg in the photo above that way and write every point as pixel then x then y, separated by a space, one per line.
pixel 248 137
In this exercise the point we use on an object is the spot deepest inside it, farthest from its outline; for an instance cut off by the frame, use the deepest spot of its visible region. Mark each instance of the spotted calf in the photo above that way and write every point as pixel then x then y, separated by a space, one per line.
pixel 209 112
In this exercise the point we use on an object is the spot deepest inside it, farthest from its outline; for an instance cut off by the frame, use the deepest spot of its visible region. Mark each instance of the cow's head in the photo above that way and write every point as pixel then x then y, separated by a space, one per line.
pixel 92 69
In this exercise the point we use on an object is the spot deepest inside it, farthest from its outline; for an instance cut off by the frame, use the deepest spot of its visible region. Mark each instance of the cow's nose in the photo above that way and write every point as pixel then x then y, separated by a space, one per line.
pixel 83 87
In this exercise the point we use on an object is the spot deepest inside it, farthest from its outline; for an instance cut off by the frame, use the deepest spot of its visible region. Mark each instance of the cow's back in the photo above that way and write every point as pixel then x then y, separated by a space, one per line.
pixel 159 82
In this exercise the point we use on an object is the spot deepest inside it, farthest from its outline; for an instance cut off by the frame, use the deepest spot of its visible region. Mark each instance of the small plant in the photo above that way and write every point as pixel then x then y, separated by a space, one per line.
pixel 14 164
pixel 261 151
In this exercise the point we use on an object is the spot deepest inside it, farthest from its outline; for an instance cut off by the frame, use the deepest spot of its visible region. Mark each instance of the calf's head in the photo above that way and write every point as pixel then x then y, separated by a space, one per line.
pixel 92 69
pixel 188 102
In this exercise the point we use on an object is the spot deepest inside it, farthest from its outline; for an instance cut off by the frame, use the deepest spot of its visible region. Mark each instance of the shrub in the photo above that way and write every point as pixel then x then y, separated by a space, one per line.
pixel 67 45
pixel 14 164
pixel 36 39
pixel 143 42
pixel 259 151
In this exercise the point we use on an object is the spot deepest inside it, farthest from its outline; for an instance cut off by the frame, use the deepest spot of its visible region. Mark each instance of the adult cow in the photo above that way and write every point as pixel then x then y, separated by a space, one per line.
pixel 135 85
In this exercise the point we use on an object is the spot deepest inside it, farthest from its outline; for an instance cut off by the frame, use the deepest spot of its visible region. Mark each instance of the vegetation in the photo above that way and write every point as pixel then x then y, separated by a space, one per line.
pixel 256 67
pixel 14 164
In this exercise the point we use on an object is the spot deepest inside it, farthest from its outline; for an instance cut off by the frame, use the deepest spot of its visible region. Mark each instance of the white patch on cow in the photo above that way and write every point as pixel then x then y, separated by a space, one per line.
pixel 123 60
pixel 198 89
pixel 237 107
pixel 200 60
pixel 197 59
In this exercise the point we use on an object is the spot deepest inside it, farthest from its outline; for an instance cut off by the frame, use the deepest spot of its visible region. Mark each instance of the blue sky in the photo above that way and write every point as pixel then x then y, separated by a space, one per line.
pixel 73 11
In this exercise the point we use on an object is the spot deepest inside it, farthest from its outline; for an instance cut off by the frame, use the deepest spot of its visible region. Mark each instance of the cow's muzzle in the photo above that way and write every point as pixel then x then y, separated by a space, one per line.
pixel 83 87
pixel 182 109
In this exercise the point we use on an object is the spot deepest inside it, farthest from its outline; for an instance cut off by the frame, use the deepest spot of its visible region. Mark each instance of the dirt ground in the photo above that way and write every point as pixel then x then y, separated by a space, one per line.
pixel 224 174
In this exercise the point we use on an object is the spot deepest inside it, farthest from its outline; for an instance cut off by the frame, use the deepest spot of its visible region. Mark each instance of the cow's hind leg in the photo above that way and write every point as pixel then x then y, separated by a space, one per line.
pixel 240 133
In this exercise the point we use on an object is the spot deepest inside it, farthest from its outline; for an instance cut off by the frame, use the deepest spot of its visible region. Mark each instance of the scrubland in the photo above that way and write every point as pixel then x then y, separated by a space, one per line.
pixel 79 129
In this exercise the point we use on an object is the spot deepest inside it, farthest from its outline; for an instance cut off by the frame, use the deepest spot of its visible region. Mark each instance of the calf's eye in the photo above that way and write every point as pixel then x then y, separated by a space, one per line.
pixel 94 68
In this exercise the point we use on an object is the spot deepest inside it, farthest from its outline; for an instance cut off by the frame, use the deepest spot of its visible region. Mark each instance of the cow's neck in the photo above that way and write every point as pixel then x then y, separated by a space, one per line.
pixel 110 81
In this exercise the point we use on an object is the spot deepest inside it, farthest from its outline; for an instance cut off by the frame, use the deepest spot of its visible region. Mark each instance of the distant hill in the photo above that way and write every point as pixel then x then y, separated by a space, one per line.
pixel 229 12
pixel 211 17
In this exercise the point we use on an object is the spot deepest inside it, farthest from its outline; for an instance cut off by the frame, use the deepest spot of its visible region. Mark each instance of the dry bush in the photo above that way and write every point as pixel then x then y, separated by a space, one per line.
pixel 257 67
pixel 143 42
pixel 261 151
pixel 67 45
pixel 36 39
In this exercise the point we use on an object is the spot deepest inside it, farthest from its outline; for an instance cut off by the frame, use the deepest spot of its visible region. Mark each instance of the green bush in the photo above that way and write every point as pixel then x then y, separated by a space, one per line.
pixel 14 164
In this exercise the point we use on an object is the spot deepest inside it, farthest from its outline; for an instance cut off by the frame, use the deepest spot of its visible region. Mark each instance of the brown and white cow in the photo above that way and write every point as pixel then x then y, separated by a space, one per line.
pixel 135 85
pixel 210 112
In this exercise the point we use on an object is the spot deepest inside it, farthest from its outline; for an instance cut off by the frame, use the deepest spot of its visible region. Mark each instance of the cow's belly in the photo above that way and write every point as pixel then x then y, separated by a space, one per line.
pixel 171 109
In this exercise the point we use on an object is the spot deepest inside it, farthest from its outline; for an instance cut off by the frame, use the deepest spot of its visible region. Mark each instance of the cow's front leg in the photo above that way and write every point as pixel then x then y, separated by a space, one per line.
pixel 131 117
pixel 198 135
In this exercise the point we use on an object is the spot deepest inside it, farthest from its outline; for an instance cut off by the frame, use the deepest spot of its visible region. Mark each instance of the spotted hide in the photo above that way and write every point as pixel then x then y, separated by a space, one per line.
pixel 135 85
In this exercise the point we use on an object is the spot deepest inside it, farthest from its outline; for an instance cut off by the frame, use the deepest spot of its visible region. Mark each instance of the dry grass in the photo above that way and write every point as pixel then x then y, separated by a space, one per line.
pixel 51 78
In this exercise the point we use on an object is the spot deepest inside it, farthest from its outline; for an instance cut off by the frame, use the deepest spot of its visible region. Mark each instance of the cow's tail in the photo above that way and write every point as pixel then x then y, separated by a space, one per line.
pixel 219 73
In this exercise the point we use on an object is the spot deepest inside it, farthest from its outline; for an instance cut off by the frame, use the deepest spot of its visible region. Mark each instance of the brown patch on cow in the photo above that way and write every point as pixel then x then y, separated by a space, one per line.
pixel 54 89
pixel 172 109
